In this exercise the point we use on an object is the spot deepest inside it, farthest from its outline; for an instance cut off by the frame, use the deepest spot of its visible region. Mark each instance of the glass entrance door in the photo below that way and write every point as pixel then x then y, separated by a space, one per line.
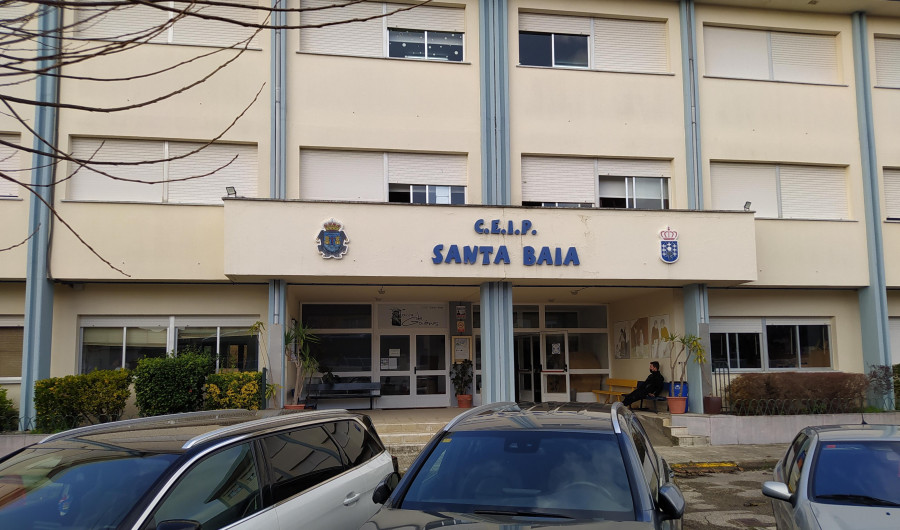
pixel 555 367
pixel 528 361
pixel 413 371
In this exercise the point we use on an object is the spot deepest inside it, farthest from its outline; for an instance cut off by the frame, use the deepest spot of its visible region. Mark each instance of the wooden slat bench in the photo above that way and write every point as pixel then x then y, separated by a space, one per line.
pixel 319 391
pixel 617 389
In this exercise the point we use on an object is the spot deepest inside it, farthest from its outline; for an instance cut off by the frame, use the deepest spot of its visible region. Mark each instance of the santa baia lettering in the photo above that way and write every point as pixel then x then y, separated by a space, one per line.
pixel 489 255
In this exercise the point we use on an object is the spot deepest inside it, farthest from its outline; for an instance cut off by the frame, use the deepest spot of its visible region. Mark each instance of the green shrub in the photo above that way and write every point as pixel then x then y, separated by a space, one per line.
pixel 168 385
pixel 9 415
pixel 236 390
pixel 799 386
pixel 67 402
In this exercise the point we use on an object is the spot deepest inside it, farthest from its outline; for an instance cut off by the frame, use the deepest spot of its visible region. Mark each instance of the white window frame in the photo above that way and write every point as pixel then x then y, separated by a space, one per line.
pixel 12 322
pixel 387 53
pixel 631 190
pixel 760 325
pixel 587 45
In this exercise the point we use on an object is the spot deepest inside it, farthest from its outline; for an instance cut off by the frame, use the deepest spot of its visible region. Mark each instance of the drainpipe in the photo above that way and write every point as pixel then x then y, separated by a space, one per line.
pixel 873 313
pixel 696 300
pixel 38 283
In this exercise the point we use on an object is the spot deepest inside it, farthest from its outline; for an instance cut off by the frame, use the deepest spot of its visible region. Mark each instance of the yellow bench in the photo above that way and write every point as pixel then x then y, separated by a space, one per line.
pixel 617 389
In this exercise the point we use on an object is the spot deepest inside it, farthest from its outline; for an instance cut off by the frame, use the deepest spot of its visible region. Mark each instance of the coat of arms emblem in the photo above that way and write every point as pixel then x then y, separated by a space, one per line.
pixel 668 247
pixel 332 240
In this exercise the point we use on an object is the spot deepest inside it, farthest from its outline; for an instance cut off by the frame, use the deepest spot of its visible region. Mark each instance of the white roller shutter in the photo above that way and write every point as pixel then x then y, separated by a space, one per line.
pixel 804 58
pixel 365 39
pixel 735 184
pixel 630 45
pixel 15 10
pixel 557 179
pixel 633 167
pixel 9 164
pixel 733 52
pixel 735 325
pixel 424 168
pixel 87 184
pixel 207 32
pixel 125 22
pixel 449 19
pixel 119 322
pixel 813 192
pixel 214 161
pixel 215 321
pixel 887 61
pixel 341 175
pixel 892 195
pixel 554 24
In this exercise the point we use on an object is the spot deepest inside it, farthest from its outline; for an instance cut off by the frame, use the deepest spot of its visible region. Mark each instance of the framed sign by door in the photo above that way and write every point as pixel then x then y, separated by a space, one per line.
pixel 462 349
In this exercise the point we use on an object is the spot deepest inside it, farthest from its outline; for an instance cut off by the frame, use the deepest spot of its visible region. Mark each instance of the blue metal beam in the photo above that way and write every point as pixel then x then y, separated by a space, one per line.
pixel 494 50
pixel 498 376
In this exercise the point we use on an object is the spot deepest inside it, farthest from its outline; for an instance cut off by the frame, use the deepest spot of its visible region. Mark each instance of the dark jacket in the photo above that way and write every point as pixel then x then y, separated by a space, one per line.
pixel 654 383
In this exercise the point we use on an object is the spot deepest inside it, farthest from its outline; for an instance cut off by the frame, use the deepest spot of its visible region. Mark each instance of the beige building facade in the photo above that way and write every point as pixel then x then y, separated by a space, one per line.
pixel 547 188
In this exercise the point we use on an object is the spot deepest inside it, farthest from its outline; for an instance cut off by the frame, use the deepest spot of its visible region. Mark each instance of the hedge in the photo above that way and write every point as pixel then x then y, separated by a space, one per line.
pixel 73 400
pixel 169 385
pixel 237 390
pixel 799 385
pixel 9 415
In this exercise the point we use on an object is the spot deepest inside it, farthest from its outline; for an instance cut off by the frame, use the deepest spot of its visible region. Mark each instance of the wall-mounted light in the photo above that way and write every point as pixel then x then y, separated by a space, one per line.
pixel 747 206
pixel 230 191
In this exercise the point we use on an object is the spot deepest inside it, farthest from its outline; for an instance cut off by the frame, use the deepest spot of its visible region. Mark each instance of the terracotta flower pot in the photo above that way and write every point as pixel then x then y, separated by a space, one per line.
pixel 677 405
pixel 301 406
pixel 464 401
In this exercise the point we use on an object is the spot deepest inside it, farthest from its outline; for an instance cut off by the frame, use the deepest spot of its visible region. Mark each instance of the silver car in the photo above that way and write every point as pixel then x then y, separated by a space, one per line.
pixel 839 476
pixel 233 468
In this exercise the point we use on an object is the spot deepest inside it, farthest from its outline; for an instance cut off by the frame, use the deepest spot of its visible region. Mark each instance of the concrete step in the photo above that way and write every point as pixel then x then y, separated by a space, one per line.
pixel 405 438
pixel 401 428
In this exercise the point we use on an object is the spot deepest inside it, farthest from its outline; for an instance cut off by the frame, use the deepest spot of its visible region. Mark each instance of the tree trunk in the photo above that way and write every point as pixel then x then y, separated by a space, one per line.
pixel 297 388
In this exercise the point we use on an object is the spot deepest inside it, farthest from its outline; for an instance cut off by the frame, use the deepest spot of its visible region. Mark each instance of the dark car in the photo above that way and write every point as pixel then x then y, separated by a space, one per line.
pixel 531 465
pixel 236 468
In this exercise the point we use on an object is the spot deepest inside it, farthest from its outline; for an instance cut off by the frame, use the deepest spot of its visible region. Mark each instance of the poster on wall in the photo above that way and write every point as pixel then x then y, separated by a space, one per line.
pixel 412 316
pixel 621 340
pixel 659 330
pixel 639 338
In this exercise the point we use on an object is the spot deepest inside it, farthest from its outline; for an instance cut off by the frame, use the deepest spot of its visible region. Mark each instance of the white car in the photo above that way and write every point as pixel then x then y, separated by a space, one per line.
pixel 236 468
pixel 839 477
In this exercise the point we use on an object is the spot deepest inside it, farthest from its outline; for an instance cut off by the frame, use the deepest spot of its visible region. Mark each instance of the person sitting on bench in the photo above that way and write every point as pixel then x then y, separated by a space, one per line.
pixel 653 385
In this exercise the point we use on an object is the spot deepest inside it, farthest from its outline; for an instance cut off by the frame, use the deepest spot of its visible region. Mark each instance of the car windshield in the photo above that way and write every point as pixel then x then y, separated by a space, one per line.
pixel 863 473
pixel 75 488
pixel 560 475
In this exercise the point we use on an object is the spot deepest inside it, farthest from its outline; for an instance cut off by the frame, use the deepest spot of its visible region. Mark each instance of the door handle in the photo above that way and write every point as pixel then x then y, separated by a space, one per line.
pixel 352 498
pixel 415 369
pixel 565 368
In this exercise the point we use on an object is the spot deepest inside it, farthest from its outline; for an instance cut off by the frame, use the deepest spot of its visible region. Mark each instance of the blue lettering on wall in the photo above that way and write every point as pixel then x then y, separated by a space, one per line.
pixel 469 253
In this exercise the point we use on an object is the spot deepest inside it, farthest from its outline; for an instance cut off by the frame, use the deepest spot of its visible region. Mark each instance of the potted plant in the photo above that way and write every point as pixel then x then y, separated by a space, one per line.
pixel 297 341
pixel 461 377
pixel 683 349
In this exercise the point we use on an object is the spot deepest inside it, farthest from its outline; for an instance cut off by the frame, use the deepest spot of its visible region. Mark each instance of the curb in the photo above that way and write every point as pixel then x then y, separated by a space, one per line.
pixel 693 468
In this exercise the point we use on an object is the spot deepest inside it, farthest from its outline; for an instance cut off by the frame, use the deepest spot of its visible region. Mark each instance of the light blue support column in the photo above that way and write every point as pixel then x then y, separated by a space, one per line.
pixel 873 313
pixel 498 376
pixel 38 284
pixel 278 152
pixel 696 314
pixel 275 340
pixel 693 160
pixel 493 23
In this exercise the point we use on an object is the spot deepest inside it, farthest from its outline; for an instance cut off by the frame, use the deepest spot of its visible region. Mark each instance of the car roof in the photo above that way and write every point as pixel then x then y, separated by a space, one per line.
pixel 180 432
pixel 857 432
pixel 537 416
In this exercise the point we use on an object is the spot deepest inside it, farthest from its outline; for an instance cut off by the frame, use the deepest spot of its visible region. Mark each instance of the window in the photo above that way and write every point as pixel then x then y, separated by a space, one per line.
pixel 796 468
pixel 215 166
pixel 300 460
pixel 9 164
pixel 418 178
pixel 424 32
pixel 887 61
pixel 12 336
pixel 345 338
pixel 141 22
pixel 356 442
pixel 603 182
pixel 598 43
pixel 221 489
pixel 781 190
pixel 764 344
pixel 770 55
pixel 892 193
pixel 108 343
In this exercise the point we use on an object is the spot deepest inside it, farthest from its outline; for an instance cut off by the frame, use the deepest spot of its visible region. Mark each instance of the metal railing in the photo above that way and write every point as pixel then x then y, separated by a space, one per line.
pixel 783 407
pixel 721 379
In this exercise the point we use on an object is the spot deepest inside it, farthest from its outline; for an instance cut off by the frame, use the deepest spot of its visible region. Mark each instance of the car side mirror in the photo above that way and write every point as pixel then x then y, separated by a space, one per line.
pixel 671 501
pixel 777 490
pixel 178 524
pixel 384 488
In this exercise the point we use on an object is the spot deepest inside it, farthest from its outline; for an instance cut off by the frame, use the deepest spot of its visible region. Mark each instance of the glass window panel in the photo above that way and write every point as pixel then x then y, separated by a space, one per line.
pixel 526 316
pixel 432 194
pixel 431 384
pixel 445 46
pixel 588 351
pixel 575 316
pixel 612 192
pixel 337 316
pixel 650 193
pixel 218 491
pixel 395 352
pixel 781 347
pixel 395 385
pixel 865 468
pixel 431 352
pixel 197 339
pixel 584 382
pixel 101 349
pixel 351 352
pixel 399 193
pixel 555 352
pixel 11 340
pixel 356 442
pixel 442 194
pixel 749 351
pixel 300 460
pixel 814 346
pixel 406 43
pixel 478 352
pixel 535 49
pixel 144 342
pixel 570 50
pixel 457 195
pixel 718 347
pixel 238 349
pixel 420 195
pixel 556 384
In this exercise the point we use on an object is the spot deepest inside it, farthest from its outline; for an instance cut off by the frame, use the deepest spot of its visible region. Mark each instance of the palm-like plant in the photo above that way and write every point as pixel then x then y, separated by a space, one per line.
pixel 297 341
